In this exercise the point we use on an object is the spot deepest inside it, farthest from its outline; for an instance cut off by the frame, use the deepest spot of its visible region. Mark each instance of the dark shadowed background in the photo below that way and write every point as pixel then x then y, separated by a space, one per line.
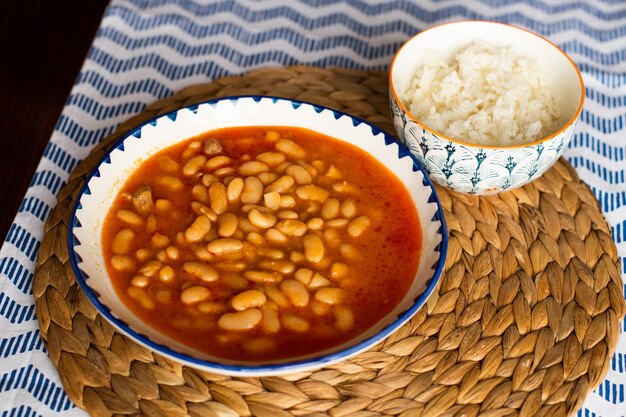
pixel 42 44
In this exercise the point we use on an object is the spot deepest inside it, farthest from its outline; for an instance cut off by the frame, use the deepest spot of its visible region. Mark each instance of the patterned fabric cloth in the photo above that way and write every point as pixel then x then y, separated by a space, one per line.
pixel 145 50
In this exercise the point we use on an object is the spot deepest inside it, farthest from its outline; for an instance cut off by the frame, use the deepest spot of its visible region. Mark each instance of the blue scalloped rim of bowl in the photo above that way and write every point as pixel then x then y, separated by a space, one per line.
pixel 319 361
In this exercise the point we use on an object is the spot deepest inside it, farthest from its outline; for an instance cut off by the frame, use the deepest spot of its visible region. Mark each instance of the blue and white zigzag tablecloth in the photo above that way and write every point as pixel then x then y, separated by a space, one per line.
pixel 145 50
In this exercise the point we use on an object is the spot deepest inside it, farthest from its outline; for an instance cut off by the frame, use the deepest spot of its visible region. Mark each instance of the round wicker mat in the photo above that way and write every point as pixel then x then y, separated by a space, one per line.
pixel 525 320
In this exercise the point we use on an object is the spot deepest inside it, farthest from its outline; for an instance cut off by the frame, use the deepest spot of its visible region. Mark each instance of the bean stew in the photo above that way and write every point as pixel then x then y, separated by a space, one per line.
pixel 262 243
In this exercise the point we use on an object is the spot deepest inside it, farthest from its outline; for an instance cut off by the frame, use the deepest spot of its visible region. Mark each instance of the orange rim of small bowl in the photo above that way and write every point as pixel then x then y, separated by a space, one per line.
pixel 570 122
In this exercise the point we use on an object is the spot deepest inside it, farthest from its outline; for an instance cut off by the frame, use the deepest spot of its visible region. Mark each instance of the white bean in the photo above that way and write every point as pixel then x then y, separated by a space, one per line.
pixel 167 274
pixel 319 308
pixel 344 318
pixel 280 169
pixel 313 208
pixel 329 295
pixel 129 217
pixel 163 205
pixel 142 296
pixel 172 252
pixel 143 254
pixel 318 165
pixel 223 245
pixel 203 254
pixel 272 253
pixel 338 270
pixel 247 207
pixel 140 281
pixel 281 185
pixel 198 229
pixel 161 256
pixel 318 281
pixel 192 148
pixel 160 241
pixel 253 168
pixel 304 275
pixel 299 174
pixel 227 224
pixel 270 322
pixel 201 270
pixel 248 299
pixel 333 172
pixel 287 201
pixel 337 223
pixel 123 241
pixel 283 266
pixel 168 165
pixel 330 209
pixel 218 197
pixel 271 158
pixel 276 296
pixel 262 220
pixel 169 182
pixel 211 307
pixel 315 223
pixel 291 227
pixel 262 276
pixel 194 165
pixel 217 162
pixel 252 191
pixel 150 268
pixel 295 323
pixel 231 266
pixel 296 292
pixel 312 192
pixel 348 208
pixel 267 178
pixel 331 236
pixel 151 224
pixel 208 179
pixel 276 236
pixel 272 200
pixel 234 190
pixel 287 214
pixel 358 225
pixel 296 256
pixel 200 193
pixel 195 294
pixel 313 248
pixel 224 172
pixel 241 320
pixel 290 148
pixel 255 238
pixel 310 168
pixel 202 210
pixel 247 227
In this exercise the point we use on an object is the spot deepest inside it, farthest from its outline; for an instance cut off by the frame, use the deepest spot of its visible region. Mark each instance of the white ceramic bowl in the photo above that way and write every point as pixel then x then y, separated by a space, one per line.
pixel 479 169
pixel 108 177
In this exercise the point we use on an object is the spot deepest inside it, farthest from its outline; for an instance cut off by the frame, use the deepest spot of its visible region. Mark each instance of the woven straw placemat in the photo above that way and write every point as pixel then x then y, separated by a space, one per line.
pixel 524 322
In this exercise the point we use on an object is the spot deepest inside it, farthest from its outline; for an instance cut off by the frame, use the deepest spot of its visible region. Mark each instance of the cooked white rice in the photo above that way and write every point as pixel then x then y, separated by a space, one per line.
pixel 489 95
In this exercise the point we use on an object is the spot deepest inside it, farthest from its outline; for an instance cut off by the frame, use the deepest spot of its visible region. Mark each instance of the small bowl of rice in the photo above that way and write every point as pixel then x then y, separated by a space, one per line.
pixel 484 106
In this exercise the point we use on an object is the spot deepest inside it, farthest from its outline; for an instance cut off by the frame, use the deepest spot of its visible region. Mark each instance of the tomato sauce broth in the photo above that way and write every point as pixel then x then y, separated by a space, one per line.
pixel 378 278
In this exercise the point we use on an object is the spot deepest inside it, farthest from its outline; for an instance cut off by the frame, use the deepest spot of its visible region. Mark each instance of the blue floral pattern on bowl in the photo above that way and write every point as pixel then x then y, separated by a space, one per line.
pixel 472 169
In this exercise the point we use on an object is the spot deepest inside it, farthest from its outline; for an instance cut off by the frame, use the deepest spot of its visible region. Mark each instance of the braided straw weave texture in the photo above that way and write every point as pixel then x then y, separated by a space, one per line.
pixel 524 322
